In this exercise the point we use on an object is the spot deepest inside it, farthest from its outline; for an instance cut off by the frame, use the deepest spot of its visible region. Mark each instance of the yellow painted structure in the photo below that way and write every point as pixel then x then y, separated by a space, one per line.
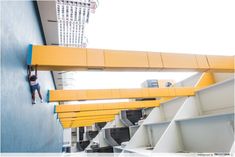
pixel 91 117
pixel 76 115
pixel 66 58
pixel 71 95
pixel 76 124
pixel 206 79
pixel 87 113
pixel 106 106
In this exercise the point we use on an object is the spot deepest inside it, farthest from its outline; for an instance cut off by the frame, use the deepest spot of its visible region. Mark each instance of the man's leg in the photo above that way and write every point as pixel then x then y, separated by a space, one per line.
pixel 33 97
pixel 39 93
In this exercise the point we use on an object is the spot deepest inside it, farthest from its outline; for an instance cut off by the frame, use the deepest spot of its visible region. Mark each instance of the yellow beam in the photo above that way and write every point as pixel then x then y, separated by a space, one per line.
pixel 76 115
pixel 87 113
pixel 83 114
pixel 106 106
pixel 85 122
pixel 91 117
pixel 205 80
pixel 88 119
pixel 73 95
pixel 65 58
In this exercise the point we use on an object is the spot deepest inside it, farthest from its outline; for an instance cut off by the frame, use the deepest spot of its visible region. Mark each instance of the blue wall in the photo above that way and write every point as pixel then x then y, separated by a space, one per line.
pixel 24 127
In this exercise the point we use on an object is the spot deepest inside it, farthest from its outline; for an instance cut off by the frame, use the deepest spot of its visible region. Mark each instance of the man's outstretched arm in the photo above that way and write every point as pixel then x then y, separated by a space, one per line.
pixel 36 70
pixel 29 71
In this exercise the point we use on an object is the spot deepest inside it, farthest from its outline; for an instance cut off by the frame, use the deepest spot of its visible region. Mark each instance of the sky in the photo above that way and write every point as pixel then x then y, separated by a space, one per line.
pixel 178 26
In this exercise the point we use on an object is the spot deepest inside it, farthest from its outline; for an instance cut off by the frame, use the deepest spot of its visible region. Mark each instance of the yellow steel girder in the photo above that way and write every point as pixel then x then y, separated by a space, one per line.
pixel 73 114
pixel 91 117
pixel 73 95
pixel 66 58
pixel 85 122
pixel 77 112
pixel 106 106
pixel 82 119
pixel 205 80
pixel 87 113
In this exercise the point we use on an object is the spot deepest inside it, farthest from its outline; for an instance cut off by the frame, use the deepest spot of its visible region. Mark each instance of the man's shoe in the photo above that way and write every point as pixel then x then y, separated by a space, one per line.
pixel 34 102
pixel 42 101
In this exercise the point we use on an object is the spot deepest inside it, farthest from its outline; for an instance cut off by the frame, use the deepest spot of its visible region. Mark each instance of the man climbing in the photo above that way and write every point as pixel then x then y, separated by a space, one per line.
pixel 34 85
